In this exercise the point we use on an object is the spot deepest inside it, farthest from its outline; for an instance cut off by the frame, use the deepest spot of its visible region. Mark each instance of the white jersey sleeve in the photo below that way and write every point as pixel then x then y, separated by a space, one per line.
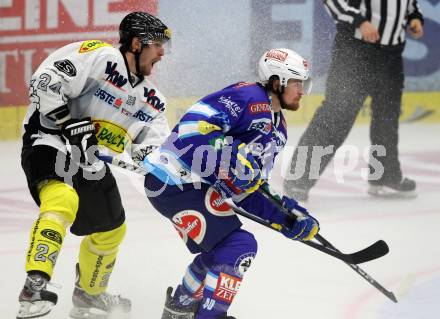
pixel 61 78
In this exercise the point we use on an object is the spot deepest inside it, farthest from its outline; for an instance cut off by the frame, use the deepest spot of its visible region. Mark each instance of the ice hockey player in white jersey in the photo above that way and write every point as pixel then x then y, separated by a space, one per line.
pixel 83 96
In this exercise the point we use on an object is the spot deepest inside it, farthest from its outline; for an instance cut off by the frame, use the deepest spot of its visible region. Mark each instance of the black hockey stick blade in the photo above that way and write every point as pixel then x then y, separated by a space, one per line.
pixel 376 250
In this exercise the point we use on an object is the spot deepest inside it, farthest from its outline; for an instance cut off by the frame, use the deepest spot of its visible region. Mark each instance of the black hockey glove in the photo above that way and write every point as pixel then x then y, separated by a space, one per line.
pixel 81 141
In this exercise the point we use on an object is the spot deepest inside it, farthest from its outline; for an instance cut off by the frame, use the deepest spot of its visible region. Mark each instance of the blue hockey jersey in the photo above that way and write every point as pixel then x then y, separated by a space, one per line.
pixel 192 153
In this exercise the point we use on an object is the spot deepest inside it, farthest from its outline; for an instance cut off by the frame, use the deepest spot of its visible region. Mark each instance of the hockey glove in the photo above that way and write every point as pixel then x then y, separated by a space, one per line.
pixel 242 173
pixel 303 227
pixel 80 139
pixel 139 153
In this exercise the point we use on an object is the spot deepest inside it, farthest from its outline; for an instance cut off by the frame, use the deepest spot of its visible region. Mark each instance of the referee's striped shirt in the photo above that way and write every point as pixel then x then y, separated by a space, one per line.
pixel 390 17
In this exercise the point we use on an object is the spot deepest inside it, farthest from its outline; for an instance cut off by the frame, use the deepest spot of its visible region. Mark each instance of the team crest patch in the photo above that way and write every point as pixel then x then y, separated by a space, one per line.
pixel 52 235
pixel 66 67
pixel 190 223
pixel 216 205
pixel 91 45
pixel 243 263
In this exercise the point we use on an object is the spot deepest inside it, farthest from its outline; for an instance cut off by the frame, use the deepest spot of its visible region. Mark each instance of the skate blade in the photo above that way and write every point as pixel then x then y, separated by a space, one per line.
pixel 34 309
pixel 386 192
pixel 94 313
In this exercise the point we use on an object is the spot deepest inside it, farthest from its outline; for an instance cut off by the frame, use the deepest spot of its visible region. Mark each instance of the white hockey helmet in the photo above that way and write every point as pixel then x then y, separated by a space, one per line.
pixel 286 64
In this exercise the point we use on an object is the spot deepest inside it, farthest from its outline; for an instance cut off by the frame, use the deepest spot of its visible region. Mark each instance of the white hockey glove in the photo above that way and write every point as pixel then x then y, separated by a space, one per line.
pixel 140 151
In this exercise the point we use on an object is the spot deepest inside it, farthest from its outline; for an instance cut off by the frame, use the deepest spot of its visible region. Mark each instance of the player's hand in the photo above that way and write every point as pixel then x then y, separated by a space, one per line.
pixel 139 153
pixel 81 141
pixel 242 173
pixel 369 32
pixel 416 28
pixel 304 227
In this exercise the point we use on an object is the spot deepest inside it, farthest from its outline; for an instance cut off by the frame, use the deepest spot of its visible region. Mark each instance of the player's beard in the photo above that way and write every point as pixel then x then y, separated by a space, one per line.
pixel 294 106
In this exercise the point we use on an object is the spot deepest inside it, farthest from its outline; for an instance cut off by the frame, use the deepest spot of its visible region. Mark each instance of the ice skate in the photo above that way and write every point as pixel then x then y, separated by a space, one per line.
pixel 172 310
pixel 35 300
pixel 102 306
pixel 404 189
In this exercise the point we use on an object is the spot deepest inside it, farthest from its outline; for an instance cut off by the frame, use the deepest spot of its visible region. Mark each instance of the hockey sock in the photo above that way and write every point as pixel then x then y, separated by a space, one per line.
pixel 191 289
pixel 231 258
pixel 97 258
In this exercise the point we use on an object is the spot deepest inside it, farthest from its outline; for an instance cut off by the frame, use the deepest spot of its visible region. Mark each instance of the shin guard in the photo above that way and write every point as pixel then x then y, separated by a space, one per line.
pixel 97 258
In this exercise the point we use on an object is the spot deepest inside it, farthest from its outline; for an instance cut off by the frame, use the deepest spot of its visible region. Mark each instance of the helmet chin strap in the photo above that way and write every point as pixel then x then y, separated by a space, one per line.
pixel 137 56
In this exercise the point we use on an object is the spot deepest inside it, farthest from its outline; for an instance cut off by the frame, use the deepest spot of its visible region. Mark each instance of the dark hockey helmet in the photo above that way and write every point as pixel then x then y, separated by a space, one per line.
pixel 148 28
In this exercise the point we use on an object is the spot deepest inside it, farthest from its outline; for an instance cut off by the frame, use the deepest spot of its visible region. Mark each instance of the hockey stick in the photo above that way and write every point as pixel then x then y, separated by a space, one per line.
pixel 326 248
pixel 376 250
pixel 347 258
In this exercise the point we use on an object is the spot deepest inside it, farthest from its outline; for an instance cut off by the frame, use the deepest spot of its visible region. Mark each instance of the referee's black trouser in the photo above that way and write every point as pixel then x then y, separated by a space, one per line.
pixel 357 70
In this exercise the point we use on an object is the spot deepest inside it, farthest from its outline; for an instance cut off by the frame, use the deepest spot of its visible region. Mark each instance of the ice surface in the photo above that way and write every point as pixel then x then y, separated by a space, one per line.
pixel 287 279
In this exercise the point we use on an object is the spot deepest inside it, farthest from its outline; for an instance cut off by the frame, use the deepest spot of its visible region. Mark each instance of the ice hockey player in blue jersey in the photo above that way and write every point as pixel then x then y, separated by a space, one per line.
pixel 224 147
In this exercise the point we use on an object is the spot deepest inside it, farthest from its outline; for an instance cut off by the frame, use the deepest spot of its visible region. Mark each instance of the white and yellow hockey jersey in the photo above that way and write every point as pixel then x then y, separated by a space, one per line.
pixel 91 79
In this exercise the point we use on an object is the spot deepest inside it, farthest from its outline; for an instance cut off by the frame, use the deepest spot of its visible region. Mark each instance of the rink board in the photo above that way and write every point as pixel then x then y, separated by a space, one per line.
pixel 418 107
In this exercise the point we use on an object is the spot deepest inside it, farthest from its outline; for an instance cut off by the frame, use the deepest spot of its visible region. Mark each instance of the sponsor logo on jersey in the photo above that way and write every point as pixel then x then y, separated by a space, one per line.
pixel 142 116
pixel 153 100
pixel 111 135
pixel 108 98
pixel 216 205
pixel 91 45
pixel 66 67
pixel 113 76
pixel 227 287
pixel 230 105
pixel 244 262
pixel 256 108
pixel 277 55
pixel 52 235
pixel 131 100
pixel 243 84
pixel 126 112
pixel 190 223
pixel 263 125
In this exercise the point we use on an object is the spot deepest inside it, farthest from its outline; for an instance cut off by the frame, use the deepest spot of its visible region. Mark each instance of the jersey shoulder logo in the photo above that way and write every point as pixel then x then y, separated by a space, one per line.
pixel 66 67
pixel 91 45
